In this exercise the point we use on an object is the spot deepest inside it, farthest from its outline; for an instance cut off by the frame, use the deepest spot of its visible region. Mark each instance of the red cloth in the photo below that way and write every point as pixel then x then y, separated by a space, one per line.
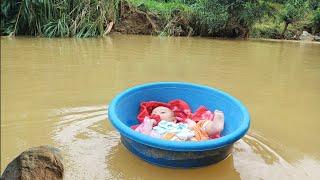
pixel 202 113
pixel 215 136
pixel 134 126
pixel 180 109
pixel 146 109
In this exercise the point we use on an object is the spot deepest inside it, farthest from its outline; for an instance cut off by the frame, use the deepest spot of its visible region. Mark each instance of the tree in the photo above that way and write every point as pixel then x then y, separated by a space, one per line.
pixel 293 11
pixel 252 12
pixel 211 16
pixel 232 18
pixel 316 21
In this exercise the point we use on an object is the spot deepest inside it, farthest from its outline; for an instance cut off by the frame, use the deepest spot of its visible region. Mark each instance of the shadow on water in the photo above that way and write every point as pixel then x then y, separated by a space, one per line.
pixel 93 151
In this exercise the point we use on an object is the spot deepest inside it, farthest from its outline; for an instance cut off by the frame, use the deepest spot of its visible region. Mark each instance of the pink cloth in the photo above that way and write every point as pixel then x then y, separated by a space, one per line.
pixel 146 126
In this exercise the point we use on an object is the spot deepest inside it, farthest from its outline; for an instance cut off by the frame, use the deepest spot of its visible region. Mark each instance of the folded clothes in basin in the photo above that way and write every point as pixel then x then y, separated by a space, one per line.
pixel 175 121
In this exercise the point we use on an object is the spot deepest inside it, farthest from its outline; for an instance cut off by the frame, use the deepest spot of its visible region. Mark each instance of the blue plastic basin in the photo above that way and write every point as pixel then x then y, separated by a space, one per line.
pixel 124 108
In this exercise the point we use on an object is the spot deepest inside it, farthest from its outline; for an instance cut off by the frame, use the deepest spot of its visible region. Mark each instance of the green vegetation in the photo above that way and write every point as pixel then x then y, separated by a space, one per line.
pixel 221 18
pixel 293 11
pixel 244 18
pixel 290 18
pixel 163 8
pixel 230 18
pixel 56 18
pixel 315 21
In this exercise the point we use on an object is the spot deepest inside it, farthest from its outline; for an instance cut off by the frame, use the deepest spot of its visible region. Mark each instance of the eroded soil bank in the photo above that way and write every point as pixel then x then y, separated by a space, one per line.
pixel 139 20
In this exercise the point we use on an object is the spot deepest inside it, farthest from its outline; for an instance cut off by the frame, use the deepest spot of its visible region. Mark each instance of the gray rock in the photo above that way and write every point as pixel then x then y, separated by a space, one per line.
pixel 43 162
pixel 305 36
pixel 317 38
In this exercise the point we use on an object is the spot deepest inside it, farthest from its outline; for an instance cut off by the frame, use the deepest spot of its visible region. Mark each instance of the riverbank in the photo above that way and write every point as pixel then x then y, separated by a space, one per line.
pixel 174 19
pixel 270 19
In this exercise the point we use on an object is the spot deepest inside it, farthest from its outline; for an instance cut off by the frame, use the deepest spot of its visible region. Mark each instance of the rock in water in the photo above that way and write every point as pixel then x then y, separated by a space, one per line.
pixel 305 36
pixel 43 162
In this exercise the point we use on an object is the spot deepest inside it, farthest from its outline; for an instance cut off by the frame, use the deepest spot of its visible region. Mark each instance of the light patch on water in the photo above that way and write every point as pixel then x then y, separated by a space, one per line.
pixel 255 160
pixel 74 110
pixel 310 166
pixel 84 157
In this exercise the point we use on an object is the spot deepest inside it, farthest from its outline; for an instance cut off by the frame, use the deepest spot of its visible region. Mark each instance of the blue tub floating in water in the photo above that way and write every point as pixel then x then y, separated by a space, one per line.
pixel 125 107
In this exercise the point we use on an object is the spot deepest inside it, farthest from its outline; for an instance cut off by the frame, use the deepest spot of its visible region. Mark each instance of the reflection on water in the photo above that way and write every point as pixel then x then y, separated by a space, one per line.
pixel 55 91
pixel 255 160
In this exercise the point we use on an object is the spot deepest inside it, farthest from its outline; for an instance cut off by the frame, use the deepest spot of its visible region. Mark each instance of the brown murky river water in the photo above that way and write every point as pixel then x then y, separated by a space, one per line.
pixel 55 91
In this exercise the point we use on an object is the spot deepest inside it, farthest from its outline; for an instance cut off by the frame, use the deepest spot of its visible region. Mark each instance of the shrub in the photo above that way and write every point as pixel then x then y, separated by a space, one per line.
pixel 57 18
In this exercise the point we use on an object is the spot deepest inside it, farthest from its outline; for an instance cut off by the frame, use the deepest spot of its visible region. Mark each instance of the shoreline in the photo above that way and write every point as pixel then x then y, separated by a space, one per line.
pixel 204 37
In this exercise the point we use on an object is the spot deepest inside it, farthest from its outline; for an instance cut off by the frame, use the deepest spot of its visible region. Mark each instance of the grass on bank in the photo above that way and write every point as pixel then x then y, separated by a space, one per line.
pixel 162 8
pixel 57 18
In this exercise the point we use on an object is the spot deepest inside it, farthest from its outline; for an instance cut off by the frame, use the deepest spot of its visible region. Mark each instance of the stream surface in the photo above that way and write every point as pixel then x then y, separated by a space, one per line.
pixel 56 91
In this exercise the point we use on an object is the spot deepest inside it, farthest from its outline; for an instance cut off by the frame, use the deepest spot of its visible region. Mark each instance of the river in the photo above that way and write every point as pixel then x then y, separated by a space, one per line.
pixel 56 91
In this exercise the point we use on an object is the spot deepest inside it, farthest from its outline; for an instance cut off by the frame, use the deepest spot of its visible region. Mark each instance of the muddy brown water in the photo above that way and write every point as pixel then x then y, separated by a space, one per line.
pixel 55 91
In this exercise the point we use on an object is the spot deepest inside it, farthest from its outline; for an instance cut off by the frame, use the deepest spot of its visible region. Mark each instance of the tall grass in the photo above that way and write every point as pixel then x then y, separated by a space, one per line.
pixel 57 18
pixel 162 7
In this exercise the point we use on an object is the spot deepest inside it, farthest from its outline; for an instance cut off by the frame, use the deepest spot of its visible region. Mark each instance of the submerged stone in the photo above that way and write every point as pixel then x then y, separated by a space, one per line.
pixel 43 162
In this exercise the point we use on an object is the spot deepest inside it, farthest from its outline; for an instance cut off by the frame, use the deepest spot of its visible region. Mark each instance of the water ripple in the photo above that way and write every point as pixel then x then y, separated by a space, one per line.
pixel 92 150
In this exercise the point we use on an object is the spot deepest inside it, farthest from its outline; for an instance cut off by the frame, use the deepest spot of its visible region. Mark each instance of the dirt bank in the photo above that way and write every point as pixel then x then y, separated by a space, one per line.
pixel 138 20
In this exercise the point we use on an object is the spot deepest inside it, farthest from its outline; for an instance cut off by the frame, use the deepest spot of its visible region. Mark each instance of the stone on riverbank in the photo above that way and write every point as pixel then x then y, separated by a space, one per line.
pixel 43 162
pixel 305 36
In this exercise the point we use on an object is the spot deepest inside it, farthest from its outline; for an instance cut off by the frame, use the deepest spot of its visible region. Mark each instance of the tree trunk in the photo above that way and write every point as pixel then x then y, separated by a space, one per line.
pixel 246 33
pixel 284 29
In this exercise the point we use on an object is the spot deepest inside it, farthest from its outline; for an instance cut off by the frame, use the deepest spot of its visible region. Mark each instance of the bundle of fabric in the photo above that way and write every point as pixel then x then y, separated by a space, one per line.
pixel 175 121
